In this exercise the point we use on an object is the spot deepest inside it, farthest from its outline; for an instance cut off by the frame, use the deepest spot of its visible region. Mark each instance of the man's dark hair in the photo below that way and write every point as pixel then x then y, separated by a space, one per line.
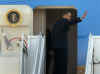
pixel 63 12
pixel 66 12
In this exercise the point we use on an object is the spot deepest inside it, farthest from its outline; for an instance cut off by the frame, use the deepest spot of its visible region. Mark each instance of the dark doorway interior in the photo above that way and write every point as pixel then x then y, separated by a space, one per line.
pixel 52 15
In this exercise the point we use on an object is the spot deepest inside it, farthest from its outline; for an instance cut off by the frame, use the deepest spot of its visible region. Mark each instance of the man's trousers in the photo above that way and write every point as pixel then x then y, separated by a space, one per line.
pixel 61 60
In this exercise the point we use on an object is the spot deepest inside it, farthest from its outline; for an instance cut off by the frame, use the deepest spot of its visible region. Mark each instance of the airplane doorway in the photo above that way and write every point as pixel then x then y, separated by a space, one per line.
pixel 45 17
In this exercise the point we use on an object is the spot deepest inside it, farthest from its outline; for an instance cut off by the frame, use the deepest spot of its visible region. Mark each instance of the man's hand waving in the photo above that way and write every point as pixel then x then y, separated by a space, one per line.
pixel 84 15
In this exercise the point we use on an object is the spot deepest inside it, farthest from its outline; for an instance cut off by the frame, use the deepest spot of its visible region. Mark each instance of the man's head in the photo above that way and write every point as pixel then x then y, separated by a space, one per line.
pixel 67 15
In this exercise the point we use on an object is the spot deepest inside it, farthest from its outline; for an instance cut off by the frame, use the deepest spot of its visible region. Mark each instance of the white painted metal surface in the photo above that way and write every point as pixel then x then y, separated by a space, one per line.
pixel 25 11
pixel 13 58
pixel 9 65
pixel 93 55
pixel 10 34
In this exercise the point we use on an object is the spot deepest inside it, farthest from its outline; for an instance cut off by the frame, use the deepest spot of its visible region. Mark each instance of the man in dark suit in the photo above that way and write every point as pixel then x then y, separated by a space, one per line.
pixel 59 40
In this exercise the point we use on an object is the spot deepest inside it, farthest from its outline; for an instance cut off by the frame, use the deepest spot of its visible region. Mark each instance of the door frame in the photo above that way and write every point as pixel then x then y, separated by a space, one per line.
pixel 71 67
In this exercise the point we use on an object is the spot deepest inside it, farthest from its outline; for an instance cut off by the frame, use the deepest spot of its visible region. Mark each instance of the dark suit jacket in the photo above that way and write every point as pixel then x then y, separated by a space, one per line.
pixel 59 32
